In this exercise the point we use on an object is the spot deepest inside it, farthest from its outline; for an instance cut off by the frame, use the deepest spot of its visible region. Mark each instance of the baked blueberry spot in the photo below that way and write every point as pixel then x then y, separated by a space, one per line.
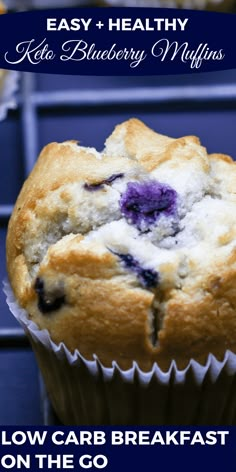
pixel 113 177
pixel 48 302
pixel 144 202
pixel 93 187
pixel 149 278
pixel 128 260
pixel 100 185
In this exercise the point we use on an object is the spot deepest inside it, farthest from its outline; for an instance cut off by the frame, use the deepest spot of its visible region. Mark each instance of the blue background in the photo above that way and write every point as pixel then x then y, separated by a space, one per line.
pixel 214 122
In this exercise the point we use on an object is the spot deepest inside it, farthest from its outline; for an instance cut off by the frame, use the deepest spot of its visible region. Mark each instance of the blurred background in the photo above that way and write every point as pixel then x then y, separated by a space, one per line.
pixel 214 5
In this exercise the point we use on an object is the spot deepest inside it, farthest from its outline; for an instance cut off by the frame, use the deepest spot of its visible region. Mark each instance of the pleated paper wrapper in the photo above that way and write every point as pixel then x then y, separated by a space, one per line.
pixel 85 392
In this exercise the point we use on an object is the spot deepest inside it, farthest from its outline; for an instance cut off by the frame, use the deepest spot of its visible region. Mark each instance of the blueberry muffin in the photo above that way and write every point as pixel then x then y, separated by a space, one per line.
pixel 129 254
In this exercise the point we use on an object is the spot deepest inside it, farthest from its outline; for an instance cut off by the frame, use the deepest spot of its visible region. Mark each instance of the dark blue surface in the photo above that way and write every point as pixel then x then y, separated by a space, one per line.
pixel 11 159
pixel 213 123
pixel 19 381
pixel 19 388
pixel 46 82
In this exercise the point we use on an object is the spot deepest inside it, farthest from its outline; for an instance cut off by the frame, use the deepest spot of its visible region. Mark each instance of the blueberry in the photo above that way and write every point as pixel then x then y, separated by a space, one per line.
pixel 147 277
pixel 113 177
pixel 100 185
pixel 128 260
pixel 143 202
pixel 48 302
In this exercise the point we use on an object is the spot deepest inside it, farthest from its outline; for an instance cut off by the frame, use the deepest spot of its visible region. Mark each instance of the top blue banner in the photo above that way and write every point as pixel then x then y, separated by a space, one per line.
pixel 118 41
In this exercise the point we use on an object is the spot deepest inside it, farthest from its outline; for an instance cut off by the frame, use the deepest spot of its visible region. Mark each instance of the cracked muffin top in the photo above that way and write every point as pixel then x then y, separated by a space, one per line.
pixel 129 254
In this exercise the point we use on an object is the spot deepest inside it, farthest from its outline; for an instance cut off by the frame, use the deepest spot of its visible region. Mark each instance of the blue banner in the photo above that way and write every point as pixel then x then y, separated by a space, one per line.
pixel 118 448
pixel 118 41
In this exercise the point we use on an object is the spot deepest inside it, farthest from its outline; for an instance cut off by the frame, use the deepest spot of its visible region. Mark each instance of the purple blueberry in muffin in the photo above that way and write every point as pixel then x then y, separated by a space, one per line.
pixel 144 202
pixel 147 277
pixel 100 185
pixel 48 302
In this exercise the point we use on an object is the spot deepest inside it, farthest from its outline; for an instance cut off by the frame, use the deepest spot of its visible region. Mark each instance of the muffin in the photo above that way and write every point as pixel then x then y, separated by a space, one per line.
pixel 128 255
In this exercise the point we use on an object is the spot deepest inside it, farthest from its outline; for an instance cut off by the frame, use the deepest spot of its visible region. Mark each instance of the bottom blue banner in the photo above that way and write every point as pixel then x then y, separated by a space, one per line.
pixel 116 448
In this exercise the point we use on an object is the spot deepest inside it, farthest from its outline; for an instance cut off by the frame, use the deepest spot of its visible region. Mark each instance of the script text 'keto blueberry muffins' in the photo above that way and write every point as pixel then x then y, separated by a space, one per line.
pixel 123 269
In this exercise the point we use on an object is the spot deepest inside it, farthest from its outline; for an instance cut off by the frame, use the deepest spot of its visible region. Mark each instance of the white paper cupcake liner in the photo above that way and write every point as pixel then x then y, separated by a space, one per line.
pixel 85 392
pixel 8 86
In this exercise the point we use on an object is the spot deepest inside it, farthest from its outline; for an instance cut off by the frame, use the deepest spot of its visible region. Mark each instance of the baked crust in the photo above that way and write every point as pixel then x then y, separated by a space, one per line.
pixel 67 230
